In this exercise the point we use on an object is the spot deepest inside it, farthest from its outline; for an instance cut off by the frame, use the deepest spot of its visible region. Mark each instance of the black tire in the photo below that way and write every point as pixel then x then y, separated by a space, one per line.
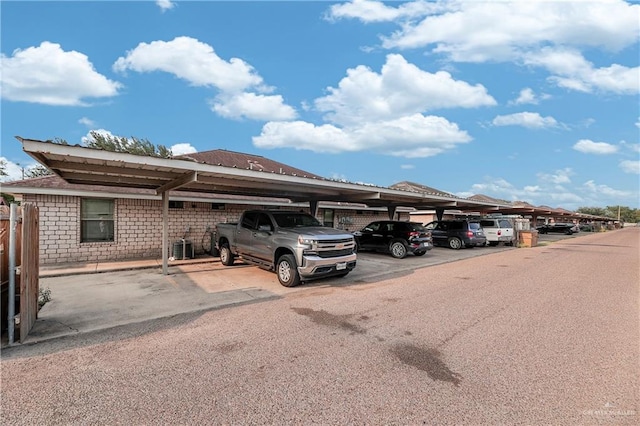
pixel 287 271
pixel 398 249
pixel 569 233
pixel 342 275
pixel 226 257
pixel 420 253
pixel 455 243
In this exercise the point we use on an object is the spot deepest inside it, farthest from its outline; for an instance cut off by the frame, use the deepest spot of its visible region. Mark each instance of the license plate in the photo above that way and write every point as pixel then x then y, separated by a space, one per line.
pixel 341 266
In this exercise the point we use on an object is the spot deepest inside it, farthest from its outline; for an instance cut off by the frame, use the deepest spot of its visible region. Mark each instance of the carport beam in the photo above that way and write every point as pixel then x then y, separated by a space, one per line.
pixel 392 212
pixel 439 212
pixel 165 233
pixel 313 207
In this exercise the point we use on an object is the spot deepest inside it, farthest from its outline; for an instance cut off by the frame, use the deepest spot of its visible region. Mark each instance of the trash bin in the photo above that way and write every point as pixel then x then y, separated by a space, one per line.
pixel 528 238
pixel 183 249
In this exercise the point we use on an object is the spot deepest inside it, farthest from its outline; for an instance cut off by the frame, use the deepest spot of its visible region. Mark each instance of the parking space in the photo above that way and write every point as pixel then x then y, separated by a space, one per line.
pixel 213 277
pixel 550 238
pixel 87 302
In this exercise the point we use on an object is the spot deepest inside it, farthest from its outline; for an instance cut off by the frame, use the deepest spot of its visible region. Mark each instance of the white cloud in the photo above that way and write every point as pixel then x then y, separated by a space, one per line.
pixel 531 120
pixel 192 61
pixel 182 148
pixel 407 166
pixel 382 112
pixel 400 89
pixel 605 191
pixel 629 166
pixel 555 190
pixel 411 136
pixel 253 106
pixel 638 123
pixel 87 122
pixel 199 65
pixel 558 177
pixel 48 75
pixel 572 71
pixel 527 96
pixel 374 11
pixel 534 33
pixel 165 5
pixel 500 30
pixel 589 147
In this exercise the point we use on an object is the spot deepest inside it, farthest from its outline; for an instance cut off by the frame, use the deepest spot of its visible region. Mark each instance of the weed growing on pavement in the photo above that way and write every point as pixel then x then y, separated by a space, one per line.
pixel 44 295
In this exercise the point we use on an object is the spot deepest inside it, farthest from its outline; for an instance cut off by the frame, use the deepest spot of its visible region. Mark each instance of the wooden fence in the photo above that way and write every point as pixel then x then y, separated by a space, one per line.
pixel 27 270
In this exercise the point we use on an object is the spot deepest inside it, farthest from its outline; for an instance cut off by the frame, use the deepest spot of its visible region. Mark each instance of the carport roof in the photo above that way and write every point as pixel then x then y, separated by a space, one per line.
pixel 87 166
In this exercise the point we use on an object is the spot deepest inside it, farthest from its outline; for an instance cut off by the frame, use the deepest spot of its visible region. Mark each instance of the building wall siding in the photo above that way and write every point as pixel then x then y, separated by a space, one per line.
pixel 138 227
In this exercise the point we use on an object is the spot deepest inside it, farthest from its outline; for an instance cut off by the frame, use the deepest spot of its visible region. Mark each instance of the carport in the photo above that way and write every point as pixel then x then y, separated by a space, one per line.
pixel 81 165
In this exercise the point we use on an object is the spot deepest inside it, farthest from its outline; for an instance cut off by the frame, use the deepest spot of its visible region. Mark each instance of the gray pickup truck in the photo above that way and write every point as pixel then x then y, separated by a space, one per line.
pixel 293 244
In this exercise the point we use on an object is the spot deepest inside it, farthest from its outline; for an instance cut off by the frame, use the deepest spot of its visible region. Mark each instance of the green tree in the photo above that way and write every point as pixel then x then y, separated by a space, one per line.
pixel 3 167
pixel 627 214
pixel 131 145
pixel 596 211
pixel 37 171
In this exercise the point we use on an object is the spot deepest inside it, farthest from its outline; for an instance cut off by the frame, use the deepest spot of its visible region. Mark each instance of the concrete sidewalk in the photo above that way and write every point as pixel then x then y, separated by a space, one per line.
pixel 58 270
pixel 99 296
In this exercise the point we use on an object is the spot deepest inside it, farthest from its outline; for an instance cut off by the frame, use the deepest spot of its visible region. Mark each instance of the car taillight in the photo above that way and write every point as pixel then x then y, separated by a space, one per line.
pixel 469 233
pixel 499 232
pixel 414 234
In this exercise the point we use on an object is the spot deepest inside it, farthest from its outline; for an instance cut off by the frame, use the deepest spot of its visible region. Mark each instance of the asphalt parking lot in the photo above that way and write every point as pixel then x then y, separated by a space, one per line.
pixel 90 302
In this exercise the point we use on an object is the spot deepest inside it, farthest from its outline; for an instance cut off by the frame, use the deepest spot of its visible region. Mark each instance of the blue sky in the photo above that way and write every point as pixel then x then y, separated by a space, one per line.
pixel 527 100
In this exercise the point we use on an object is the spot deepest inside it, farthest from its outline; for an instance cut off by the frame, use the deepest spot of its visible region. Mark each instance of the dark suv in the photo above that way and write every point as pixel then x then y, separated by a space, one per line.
pixel 456 234
pixel 395 237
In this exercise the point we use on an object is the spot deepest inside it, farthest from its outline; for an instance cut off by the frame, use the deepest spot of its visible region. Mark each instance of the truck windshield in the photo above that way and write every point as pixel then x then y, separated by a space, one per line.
pixel 295 220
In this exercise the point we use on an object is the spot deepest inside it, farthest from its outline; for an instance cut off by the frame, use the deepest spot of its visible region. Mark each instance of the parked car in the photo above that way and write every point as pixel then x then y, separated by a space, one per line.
pixel 498 230
pixel 395 237
pixel 559 228
pixel 456 234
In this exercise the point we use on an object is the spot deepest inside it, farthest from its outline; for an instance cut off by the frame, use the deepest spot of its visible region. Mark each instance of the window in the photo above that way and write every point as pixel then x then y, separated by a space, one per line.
pixel 249 220
pixel 264 223
pixel 176 204
pixel 97 220
pixel 327 218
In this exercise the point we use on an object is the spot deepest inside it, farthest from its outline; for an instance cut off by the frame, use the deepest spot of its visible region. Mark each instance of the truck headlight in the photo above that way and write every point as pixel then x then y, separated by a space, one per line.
pixel 308 242
pixel 309 245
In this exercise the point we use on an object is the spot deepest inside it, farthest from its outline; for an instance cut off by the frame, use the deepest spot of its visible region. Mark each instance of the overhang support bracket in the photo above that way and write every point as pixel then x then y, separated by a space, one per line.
pixel 177 183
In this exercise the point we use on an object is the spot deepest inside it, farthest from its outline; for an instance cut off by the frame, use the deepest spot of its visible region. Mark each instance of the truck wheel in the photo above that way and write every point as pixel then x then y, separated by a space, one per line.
pixel 287 271
pixel 398 249
pixel 226 257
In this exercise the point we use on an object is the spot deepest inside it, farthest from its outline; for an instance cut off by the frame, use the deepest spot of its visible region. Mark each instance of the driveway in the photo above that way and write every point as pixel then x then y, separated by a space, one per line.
pixel 89 302
pixel 540 336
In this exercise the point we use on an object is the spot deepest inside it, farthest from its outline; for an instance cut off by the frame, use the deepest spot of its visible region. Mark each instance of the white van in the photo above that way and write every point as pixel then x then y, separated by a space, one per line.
pixel 498 231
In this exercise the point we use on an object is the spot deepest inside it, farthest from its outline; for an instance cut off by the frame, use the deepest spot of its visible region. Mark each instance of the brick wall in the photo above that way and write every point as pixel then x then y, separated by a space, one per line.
pixel 138 228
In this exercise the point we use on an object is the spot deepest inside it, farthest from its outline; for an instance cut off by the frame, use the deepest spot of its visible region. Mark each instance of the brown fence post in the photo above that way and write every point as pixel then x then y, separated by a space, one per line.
pixel 29 269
